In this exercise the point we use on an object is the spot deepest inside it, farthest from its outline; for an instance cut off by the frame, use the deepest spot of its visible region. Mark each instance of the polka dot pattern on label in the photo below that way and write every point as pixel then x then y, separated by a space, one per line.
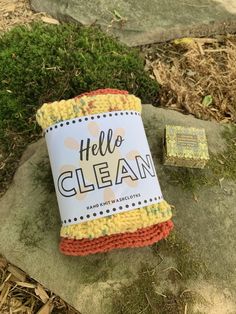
pixel 91 118
pixel 113 209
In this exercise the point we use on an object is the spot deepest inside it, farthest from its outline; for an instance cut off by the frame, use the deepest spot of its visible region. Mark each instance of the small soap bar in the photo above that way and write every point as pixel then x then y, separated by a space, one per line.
pixel 185 147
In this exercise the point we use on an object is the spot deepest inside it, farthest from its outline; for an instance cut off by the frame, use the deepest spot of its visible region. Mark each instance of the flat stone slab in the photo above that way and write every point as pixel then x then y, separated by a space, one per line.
pixel 138 22
pixel 197 260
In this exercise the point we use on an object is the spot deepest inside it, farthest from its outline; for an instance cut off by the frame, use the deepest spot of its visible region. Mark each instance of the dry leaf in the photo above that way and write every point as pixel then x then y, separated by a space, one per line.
pixel 50 20
pixel 39 290
pixel 16 306
pixel 157 76
pixel 46 308
pixel 195 198
pixel 207 101
pixel 3 262
pixel 18 273
pixel 183 41
pixel 26 284
pixel 7 278
pixel 220 181
pixel 10 8
pixel 13 278
pixel 200 49
pixel 225 120
pixel 4 293
pixel 148 65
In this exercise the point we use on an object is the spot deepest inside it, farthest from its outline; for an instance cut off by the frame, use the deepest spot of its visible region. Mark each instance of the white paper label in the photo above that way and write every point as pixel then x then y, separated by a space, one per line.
pixel 101 166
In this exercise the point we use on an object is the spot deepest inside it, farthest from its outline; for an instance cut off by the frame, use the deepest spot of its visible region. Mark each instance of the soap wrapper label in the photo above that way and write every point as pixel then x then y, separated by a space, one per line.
pixel 101 166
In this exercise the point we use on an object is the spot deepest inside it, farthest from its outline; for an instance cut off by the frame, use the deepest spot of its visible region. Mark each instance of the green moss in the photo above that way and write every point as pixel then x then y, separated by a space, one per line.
pixel 42 175
pixel 42 63
pixel 220 166
pixel 45 216
pixel 164 291
pixel 95 269
pixel 44 219
pixel 144 295
pixel 187 263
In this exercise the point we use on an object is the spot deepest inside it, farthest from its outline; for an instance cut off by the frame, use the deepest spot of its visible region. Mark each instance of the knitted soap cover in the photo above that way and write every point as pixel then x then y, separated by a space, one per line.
pixel 96 102
pixel 141 237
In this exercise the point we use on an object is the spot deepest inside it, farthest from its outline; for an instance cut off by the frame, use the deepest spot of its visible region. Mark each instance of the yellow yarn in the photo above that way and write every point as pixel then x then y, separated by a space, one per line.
pixel 51 113
pixel 130 221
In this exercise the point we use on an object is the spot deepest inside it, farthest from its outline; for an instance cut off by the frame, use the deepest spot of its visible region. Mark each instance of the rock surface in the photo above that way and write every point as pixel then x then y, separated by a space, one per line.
pixel 143 22
pixel 200 257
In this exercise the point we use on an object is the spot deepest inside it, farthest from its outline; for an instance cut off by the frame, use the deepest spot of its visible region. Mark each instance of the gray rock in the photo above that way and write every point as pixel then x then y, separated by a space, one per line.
pixel 144 22
pixel 201 255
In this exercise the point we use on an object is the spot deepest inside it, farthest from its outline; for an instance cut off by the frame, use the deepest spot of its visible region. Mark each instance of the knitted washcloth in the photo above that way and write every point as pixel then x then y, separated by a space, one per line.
pixel 94 103
pixel 141 237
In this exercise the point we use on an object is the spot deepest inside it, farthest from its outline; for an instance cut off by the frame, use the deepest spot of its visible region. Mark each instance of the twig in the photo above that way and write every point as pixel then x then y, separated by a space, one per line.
pixel 161 294
pixel 8 277
pixel 142 311
pixel 186 290
pixel 166 269
pixel 231 44
pixel 220 181
pixel 200 48
pixel 4 294
pixel 185 308
pixel 216 50
pixel 152 307
pixel 151 272
pixel 26 291
pixel 195 5
pixel 206 40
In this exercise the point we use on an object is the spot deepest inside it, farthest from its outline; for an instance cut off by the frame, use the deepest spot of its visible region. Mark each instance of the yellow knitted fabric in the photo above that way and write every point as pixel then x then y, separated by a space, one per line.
pixel 128 221
pixel 51 113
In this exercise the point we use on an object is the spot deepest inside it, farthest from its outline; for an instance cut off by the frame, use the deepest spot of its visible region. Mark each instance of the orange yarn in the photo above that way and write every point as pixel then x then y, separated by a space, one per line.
pixel 139 238
pixel 103 91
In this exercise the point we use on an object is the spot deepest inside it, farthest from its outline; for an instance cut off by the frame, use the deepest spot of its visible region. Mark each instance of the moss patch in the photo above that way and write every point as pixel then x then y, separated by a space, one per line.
pixel 187 263
pixel 161 290
pixel 42 220
pixel 42 175
pixel 145 296
pixel 42 63
pixel 94 268
pixel 221 166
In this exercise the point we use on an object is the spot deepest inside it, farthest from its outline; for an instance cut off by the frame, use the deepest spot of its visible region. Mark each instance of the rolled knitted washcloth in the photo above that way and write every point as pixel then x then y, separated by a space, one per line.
pixel 126 223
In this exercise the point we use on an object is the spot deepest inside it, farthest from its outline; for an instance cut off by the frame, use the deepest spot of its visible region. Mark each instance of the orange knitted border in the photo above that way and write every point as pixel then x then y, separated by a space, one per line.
pixel 139 238
pixel 103 91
